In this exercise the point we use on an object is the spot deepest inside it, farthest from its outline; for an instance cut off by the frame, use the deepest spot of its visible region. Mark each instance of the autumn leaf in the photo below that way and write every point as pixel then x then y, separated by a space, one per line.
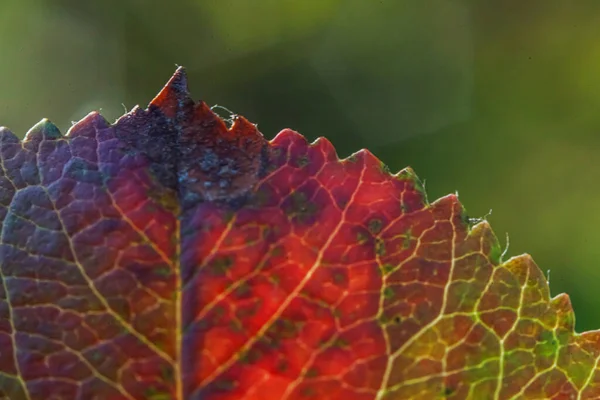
pixel 169 256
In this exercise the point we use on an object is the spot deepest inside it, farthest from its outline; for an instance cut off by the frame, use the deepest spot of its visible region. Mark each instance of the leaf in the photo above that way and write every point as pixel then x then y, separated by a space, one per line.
pixel 166 256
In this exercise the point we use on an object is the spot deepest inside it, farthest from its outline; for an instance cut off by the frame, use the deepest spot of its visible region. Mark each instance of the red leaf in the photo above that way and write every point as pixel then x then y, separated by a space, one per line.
pixel 167 256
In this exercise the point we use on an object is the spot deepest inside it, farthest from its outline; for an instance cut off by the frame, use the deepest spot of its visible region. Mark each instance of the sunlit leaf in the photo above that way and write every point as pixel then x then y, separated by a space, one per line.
pixel 167 256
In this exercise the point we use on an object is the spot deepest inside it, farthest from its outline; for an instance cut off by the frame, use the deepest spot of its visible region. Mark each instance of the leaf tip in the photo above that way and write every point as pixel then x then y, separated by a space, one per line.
pixel 174 94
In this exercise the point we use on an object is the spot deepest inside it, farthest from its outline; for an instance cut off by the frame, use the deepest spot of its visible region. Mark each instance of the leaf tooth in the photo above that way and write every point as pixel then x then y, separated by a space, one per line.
pixel 449 200
pixel 242 128
pixel 43 130
pixel 325 146
pixel 368 158
pixel 564 312
pixel 205 117
pixel 7 136
pixel 527 271
pixel 88 125
pixel 481 236
pixel 519 265
pixel 287 136
pixel 591 337
pixel 136 113
pixel 406 173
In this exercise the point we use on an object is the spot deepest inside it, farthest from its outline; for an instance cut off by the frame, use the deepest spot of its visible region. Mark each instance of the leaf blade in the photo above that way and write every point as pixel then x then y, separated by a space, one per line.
pixel 170 256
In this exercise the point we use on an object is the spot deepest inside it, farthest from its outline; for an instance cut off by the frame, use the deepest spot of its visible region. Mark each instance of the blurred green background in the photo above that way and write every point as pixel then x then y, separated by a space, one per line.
pixel 499 100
